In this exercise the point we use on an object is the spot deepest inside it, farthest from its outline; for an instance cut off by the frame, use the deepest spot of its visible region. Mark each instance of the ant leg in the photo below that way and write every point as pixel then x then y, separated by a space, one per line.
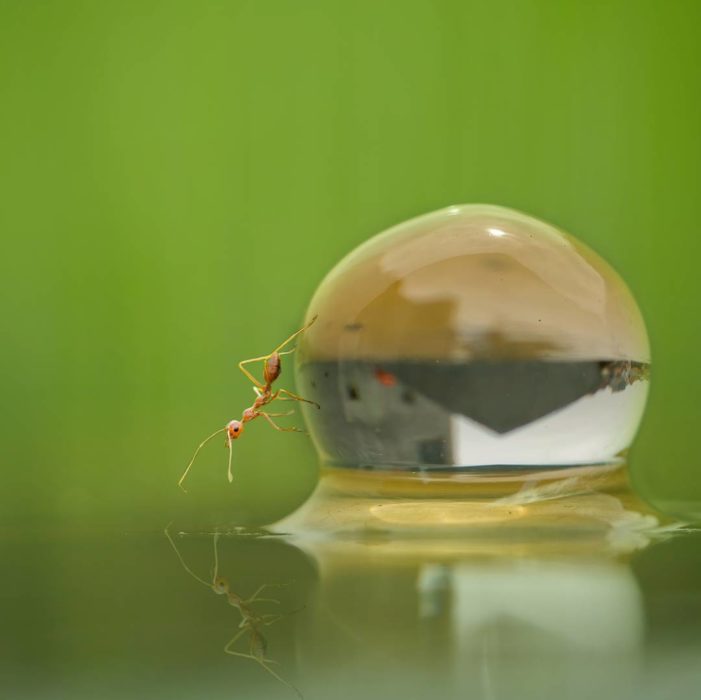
pixel 263 663
pixel 295 397
pixel 277 427
pixel 258 658
pixel 263 600
pixel 201 445
pixel 277 415
pixel 248 374
pixel 271 619
pixel 182 561
pixel 292 612
pixel 294 335
pixel 254 598
pixel 240 653
pixel 233 640
pixel 269 661
pixel 229 475
pixel 275 675
pixel 260 385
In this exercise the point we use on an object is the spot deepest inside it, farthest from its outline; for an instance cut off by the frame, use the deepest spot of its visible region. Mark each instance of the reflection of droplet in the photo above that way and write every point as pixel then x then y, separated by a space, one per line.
pixel 474 336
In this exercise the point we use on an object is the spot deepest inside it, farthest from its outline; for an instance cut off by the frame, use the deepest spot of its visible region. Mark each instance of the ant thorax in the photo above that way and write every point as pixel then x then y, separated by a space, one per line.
pixel 234 599
pixel 260 401
pixel 249 413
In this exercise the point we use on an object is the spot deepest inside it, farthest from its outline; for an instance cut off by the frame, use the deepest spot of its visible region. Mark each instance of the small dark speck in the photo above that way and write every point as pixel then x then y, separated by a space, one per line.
pixel 353 326
pixel 326 374
pixel 313 384
pixel 408 397
pixel 496 262
pixel 352 393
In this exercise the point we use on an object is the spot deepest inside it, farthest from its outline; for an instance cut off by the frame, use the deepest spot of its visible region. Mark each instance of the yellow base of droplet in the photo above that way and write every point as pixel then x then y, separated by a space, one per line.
pixel 584 505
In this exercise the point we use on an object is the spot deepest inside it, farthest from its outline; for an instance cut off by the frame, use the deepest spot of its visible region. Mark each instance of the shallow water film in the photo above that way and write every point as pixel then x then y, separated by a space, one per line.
pixel 117 615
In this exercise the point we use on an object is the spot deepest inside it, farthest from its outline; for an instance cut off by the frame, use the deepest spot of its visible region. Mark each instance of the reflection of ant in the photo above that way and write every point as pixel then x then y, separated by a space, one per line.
pixel 250 621
pixel 272 368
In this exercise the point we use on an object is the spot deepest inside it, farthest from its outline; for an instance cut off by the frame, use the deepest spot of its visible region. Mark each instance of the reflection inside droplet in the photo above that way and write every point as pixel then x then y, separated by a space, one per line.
pixel 518 345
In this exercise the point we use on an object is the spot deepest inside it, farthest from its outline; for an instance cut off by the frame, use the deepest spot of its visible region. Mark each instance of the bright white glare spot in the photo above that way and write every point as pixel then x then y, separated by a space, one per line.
pixel 496 232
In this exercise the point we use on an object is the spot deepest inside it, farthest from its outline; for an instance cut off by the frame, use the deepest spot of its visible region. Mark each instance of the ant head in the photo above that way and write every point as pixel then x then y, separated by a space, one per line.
pixel 220 585
pixel 272 368
pixel 234 429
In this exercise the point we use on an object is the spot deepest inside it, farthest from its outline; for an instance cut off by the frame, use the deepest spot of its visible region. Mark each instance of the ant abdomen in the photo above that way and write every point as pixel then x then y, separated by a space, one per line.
pixel 258 645
pixel 272 369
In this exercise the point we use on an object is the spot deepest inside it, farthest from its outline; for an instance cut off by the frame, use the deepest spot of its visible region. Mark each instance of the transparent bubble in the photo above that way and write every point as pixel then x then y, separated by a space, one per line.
pixel 473 337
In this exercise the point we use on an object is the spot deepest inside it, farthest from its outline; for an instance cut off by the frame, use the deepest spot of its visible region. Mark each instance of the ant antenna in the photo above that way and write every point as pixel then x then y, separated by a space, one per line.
pixel 201 445
pixel 182 561
pixel 215 543
pixel 229 475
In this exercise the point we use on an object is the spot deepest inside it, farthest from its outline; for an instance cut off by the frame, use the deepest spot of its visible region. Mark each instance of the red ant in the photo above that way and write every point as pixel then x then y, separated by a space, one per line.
pixel 251 621
pixel 272 367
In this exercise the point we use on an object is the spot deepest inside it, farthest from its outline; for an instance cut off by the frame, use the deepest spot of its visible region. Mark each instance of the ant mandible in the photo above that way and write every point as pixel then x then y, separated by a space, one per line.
pixel 272 367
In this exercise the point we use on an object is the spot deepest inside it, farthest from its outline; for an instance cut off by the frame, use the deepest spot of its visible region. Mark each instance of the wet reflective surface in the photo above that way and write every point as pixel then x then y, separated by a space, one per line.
pixel 551 614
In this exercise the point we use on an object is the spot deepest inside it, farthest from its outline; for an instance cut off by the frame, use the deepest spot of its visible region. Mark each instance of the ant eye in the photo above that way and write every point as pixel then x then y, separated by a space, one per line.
pixel 236 430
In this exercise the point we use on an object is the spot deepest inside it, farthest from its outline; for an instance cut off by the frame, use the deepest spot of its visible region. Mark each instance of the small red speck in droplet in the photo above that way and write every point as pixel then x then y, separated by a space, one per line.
pixel 385 378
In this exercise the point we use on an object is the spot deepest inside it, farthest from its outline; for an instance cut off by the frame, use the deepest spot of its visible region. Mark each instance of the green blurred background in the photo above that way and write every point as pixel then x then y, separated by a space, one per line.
pixel 177 177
